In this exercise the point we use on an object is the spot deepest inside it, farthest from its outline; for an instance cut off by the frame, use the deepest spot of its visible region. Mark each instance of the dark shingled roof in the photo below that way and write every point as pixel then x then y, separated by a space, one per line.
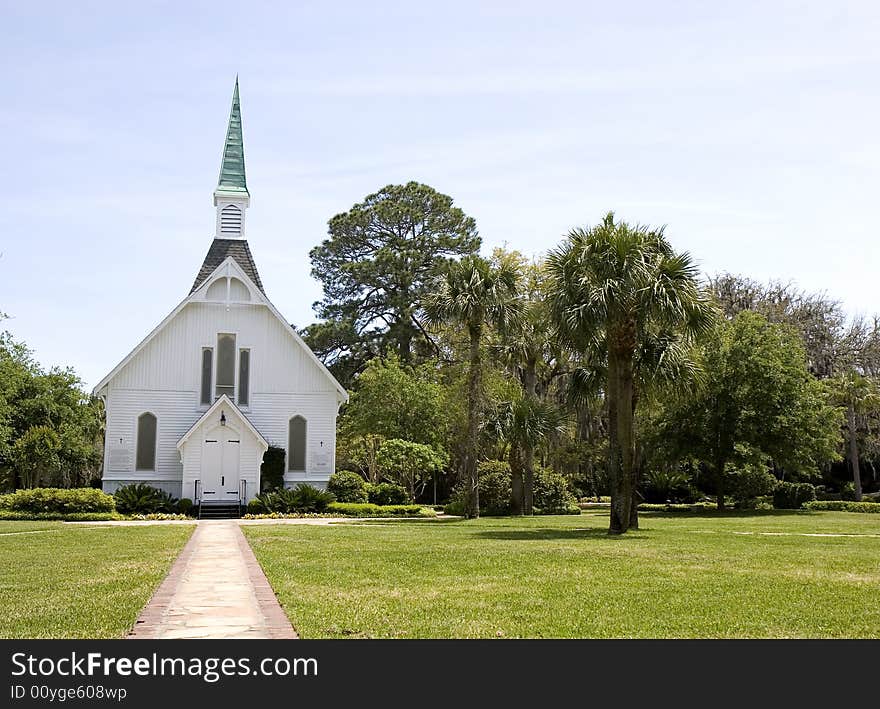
pixel 217 254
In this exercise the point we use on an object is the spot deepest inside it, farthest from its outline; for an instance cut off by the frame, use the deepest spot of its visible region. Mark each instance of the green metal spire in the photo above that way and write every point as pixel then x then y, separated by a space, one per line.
pixel 232 177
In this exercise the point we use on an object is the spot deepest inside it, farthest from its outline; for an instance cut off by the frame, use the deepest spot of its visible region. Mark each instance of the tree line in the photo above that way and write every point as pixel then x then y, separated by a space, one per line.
pixel 609 360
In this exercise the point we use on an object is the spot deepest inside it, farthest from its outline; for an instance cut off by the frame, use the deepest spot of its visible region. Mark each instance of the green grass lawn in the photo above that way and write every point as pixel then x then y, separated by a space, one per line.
pixel 705 575
pixel 76 581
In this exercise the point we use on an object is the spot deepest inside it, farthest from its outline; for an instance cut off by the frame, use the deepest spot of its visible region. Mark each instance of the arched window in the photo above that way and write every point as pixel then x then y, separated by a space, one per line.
pixel 230 220
pixel 296 444
pixel 146 442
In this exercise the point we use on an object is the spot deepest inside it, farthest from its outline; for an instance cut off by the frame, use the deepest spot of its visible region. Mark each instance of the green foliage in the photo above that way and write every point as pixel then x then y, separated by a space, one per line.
pixel 751 481
pixel 411 465
pixel 665 483
pixel 185 506
pixel 352 509
pixel 552 494
pixel 792 496
pixel 140 498
pixel 302 498
pixel 391 400
pixel 842 506
pixel 758 401
pixel 57 501
pixel 272 469
pixel 494 485
pixel 387 494
pixel 347 486
pixel 848 492
pixel 51 432
pixel 376 267
pixel 60 516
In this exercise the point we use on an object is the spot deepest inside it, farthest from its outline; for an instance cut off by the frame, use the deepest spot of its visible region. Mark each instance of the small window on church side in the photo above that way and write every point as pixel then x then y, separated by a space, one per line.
pixel 244 373
pixel 207 367
pixel 146 442
pixel 296 451
pixel 225 366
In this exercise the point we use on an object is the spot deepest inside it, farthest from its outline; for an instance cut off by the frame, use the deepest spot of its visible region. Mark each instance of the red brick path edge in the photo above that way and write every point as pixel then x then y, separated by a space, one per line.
pixel 277 623
pixel 149 622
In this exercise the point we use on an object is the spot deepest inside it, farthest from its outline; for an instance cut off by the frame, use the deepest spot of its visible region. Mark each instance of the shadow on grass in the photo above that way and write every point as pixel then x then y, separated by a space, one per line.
pixel 722 513
pixel 540 534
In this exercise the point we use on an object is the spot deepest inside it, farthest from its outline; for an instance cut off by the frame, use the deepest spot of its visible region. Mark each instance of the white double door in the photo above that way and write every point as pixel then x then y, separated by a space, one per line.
pixel 221 456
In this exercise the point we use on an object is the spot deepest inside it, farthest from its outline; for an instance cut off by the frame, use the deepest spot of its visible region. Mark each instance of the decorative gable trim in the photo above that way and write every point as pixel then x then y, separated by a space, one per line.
pixel 224 401
pixel 229 267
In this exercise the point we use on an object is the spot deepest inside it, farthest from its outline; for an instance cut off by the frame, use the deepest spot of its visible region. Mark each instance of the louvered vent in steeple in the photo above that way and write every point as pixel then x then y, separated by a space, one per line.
pixel 230 220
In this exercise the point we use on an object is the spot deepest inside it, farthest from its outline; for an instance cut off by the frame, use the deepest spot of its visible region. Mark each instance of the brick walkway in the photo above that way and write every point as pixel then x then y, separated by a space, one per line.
pixel 215 589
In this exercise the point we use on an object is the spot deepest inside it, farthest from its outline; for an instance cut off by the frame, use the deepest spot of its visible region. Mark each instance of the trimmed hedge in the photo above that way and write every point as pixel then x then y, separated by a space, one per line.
pixel 793 496
pixel 367 509
pixel 347 486
pixel 53 500
pixel 59 516
pixel 842 506
pixel 386 494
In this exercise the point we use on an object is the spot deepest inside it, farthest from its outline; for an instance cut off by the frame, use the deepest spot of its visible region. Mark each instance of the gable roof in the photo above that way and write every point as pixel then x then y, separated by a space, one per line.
pixel 231 262
pixel 220 250
pixel 224 401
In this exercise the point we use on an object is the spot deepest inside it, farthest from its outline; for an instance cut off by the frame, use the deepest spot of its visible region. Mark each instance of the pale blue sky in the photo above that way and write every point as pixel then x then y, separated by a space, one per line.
pixel 750 129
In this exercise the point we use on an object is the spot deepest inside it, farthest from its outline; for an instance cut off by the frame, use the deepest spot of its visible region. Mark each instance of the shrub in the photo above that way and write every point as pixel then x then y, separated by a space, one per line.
pixel 60 516
pixel 347 486
pixel 454 507
pixel 848 492
pixel 494 486
pixel 663 484
pixel 50 500
pixel 369 510
pixel 184 506
pixel 387 494
pixel 302 498
pixel 792 496
pixel 751 482
pixel 272 469
pixel 842 506
pixel 139 498
pixel 552 494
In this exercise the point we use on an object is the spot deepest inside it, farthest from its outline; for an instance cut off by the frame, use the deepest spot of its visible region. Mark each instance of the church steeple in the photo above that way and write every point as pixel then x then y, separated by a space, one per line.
pixel 231 196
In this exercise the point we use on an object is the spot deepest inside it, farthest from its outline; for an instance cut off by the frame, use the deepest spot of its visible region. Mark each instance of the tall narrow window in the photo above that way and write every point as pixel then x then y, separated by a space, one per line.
pixel 207 366
pixel 244 373
pixel 296 451
pixel 146 442
pixel 225 366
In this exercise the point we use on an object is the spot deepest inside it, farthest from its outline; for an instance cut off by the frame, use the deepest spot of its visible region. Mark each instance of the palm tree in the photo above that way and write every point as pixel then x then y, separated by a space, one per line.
pixel 859 395
pixel 613 285
pixel 524 424
pixel 475 294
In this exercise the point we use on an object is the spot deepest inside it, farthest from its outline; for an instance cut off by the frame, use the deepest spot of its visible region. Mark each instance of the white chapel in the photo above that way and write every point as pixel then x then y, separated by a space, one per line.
pixel 195 405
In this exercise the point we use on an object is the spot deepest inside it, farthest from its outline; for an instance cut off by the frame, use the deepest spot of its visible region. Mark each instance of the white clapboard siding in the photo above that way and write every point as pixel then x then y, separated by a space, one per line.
pixel 172 359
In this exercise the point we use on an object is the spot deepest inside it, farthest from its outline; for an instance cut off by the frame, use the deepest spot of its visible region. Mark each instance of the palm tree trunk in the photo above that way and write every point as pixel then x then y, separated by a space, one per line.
pixel 854 449
pixel 530 390
pixel 720 466
pixel 472 506
pixel 528 456
pixel 516 480
pixel 620 390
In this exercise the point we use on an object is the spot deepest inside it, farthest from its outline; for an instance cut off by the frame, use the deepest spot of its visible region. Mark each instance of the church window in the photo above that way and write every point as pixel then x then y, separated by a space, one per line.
pixel 296 444
pixel 244 373
pixel 207 370
pixel 225 366
pixel 146 442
